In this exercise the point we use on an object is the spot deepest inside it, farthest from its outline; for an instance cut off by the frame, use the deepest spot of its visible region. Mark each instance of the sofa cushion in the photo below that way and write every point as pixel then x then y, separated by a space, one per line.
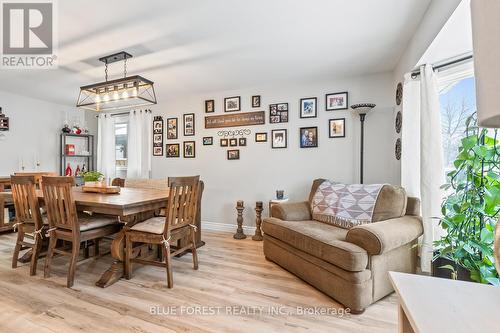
pixel 320 240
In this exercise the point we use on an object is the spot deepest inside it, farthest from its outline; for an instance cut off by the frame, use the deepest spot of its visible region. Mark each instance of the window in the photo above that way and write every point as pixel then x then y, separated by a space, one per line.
pixel 121 139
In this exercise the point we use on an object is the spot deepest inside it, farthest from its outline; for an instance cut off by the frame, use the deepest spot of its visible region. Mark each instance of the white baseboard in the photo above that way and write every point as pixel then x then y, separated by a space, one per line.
pixel 215 226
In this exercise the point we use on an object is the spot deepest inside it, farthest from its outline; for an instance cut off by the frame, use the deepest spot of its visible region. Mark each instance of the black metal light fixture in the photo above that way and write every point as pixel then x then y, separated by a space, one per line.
pixel 362 109
pixel 124 93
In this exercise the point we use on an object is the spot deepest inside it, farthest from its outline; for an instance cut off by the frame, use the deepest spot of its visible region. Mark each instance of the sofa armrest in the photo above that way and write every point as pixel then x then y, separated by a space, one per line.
pixel 297 211
pixel 413 206
pixel 380 237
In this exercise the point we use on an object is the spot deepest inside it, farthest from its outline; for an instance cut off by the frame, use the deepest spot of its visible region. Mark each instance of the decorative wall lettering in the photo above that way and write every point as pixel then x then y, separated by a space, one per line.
pixel 235 120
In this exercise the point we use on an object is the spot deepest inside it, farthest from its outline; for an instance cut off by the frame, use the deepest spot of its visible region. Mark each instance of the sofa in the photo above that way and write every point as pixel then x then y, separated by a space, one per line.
pixel 349 265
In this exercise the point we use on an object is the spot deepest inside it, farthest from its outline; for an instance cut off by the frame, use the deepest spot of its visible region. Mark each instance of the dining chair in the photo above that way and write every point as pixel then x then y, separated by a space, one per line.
pixel 178 223
pixel 29 220
pixel 67 225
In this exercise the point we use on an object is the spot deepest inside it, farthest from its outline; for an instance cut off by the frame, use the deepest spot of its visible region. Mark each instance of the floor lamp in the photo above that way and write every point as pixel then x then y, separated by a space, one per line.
pixel 362 109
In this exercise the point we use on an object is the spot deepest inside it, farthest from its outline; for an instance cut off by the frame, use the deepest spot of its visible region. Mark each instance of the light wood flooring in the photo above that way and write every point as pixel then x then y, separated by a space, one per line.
pixel 232 274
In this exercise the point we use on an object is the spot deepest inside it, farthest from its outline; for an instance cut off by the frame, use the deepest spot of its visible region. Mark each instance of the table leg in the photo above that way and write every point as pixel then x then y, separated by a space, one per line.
pixel 404 323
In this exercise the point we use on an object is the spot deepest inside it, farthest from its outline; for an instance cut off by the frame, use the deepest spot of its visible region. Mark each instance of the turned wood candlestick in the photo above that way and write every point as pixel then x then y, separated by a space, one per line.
pixel 239 231
pixel 258 221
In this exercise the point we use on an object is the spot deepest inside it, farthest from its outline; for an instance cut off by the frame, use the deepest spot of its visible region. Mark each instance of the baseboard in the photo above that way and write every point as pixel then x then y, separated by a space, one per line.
pixel 215 226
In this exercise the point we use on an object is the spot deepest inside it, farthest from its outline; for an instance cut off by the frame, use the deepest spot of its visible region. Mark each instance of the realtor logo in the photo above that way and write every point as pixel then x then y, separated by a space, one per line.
pixel 28 34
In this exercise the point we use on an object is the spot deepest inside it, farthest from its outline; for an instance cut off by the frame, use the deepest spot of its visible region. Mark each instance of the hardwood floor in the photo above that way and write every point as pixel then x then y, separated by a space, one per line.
pixel 232 274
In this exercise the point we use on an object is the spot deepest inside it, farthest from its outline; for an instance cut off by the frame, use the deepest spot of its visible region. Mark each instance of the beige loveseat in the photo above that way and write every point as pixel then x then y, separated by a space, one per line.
pixel 352 265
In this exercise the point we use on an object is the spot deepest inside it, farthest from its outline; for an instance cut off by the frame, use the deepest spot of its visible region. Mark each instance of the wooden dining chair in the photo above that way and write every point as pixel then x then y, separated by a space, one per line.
pixel 177 224
pixel 67 225
pixel 29 220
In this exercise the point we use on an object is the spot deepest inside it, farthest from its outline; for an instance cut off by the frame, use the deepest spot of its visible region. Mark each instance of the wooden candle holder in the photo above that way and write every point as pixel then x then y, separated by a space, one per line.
pixel 239 231
pixel 258 221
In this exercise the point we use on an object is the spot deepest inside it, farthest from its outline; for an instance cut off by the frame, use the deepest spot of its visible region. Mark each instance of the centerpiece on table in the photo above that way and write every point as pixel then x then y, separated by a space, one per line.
pixel 96 183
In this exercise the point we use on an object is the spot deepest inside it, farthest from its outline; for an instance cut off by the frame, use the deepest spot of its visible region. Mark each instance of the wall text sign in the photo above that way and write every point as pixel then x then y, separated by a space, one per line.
pixel 233 120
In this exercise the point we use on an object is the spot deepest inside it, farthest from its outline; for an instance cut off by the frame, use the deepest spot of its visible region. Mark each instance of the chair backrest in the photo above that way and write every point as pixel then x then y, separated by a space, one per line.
pixel 182 203
pixel 26 200
pixel 37 174
pixel 59 201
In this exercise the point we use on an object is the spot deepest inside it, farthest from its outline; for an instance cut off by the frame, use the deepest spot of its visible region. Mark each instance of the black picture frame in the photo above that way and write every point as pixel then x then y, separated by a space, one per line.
pixel 256 99
pixel 242 142
pixel 301 107
pixel 209 106
pixel 302 140
pixel 227 99
pixel 278 113
pixel 330 128
pixel 345 105
pixel 185 125
pixel 185 145
pixel 157 135
pixel 285 138
pixel 169 121
pixel 233 142
pixel 208 140
pixel 261 140
pixel 168 145
pixel 224 142
pixel 235 157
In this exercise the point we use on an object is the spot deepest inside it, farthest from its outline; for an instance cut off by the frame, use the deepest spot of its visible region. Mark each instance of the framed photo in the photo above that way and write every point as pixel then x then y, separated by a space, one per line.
pixel 278 113
pixel 209 106
pixel 189 124
pixel 233 154
pixel 172 128
pixel 173 150
pixel 232 104
pixel 308 107
pixel 208 141
pixel 279 138
pixel 261 137
pixel 336 128
pixel 242 141
pixel 157 151
pixel 158 136
pixel 256 101
pixel 224 143
pixel 233 142
pixel 189 149
pixel 337 101
pixel 308 137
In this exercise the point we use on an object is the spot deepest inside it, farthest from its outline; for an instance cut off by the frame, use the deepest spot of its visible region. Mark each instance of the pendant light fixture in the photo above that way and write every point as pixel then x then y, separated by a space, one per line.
pixel 124 93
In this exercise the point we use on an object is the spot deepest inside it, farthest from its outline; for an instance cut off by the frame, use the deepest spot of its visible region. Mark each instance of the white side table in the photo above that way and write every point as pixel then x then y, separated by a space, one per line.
pixel 275 202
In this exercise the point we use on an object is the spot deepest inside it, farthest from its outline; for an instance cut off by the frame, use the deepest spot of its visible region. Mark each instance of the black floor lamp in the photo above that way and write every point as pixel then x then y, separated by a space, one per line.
pixel 362 109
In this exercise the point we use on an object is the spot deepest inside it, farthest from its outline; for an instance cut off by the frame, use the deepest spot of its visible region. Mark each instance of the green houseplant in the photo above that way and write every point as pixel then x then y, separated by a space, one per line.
pixel 471 208
pixel 92 177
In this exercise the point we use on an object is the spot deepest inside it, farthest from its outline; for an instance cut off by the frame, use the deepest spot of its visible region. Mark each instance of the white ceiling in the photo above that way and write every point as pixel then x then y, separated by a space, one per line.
pixel 199 46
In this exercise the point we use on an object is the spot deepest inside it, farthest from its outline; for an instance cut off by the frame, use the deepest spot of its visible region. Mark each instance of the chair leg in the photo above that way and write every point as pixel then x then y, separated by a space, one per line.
pixel 48 257
pixel 75 251
pixel 86 250
pixel 17 249
pixel 193 249
pixel 128 255
pixel 34 255
pixel 168 265
pixel 96 247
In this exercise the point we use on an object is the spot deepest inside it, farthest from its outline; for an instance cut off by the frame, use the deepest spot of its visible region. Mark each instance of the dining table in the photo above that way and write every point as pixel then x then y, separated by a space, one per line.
pixel 131 205
pixel 4 225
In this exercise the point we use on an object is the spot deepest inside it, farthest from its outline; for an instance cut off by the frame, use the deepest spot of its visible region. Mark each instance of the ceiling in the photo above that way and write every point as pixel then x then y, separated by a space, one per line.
pixel 200 46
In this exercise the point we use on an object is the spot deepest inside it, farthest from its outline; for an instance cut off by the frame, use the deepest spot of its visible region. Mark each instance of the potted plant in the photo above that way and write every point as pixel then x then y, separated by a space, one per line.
pixel 93 178
pixel 470 210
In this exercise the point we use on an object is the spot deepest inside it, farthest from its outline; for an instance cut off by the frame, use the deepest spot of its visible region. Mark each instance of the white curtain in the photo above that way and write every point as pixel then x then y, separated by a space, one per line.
pixel 140 143
pixel 106 163
pixel 422 171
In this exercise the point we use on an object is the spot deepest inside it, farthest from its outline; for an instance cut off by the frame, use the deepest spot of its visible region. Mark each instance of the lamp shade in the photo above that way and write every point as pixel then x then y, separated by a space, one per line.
pixel 362 108
pixel 486 41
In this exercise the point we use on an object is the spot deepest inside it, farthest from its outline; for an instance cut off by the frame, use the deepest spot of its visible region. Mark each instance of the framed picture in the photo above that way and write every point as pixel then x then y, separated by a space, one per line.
pixel 158 136
pixel 173 150
pixel 261 137
pixel 232 104
pixel 189 124
pixel 233 142
pixel 208 141
pixel 233 154
pixel 256 101
pixel 336 128
pixel 172 128
pixel 308 107
pixel 157 151
pixel 337 101
pixel 224 142
pixel 209 106
pixel 308 137
pixel 279 138
pixel 242 141
pixel 278 113
pixel 189 149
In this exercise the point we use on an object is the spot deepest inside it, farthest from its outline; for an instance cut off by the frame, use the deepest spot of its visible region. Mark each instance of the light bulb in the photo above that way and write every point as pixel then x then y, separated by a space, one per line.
pixel 97 98
pixel 115 95
pixel 134 92
pixel 125 94
pixel 106 98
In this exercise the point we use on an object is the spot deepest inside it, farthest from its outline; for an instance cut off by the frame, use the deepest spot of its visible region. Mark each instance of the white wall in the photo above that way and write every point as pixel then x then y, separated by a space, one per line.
pixel 35 126
pixel 262 170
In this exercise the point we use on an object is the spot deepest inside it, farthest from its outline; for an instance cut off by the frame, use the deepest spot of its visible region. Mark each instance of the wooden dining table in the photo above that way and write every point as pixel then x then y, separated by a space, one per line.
pixel 129 204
